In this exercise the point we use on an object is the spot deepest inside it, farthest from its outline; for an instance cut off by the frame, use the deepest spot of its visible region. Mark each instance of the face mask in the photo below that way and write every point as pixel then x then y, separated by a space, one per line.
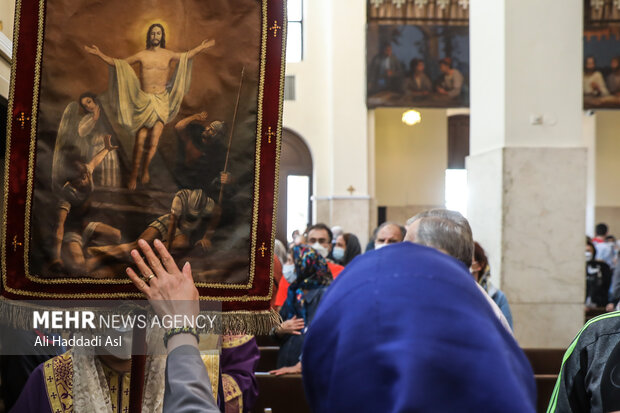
pixel 338 253
pixel 379 246
pixel 588 256
pixel 288 272
pixel 320 249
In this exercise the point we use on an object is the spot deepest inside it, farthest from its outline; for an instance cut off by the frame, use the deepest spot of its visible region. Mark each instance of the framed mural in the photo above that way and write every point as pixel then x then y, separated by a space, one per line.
pixel 146 119
pixel 417 53
pixel 601 51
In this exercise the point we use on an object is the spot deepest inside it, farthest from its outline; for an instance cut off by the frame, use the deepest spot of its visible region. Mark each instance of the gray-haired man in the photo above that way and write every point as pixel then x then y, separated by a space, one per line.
pixel 449 232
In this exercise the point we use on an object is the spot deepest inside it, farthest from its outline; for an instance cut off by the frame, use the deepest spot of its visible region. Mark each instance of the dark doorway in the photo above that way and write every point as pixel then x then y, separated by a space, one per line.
pixel 458 141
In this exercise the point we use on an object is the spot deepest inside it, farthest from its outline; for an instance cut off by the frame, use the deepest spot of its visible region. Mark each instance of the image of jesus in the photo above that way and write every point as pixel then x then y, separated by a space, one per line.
pixel 146 104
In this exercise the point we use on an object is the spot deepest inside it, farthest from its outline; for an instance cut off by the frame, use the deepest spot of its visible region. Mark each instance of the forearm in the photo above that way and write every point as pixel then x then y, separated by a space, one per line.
pixel 60 233
pixel 107 59
pixel 97 159
pixel 182 124
pixel 172 229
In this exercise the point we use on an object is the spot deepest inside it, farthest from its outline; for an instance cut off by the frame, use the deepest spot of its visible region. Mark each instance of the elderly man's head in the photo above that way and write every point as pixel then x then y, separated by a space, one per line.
pixel 445 230
pixel 388 233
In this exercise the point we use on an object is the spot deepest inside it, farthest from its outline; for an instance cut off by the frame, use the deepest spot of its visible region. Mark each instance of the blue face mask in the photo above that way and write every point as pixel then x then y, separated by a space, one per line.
pixel 288 272
pixel 338 253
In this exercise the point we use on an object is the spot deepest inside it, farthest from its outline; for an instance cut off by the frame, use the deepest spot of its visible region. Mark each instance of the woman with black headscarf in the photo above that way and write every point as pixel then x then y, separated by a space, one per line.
pixel 309 277
pixel 347 247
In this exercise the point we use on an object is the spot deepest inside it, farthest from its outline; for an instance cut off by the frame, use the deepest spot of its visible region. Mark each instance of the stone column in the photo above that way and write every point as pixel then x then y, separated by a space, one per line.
pixel 348 202
pixel 527 169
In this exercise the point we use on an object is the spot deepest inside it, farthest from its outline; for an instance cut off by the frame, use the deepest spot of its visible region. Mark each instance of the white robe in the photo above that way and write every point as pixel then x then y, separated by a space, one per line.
pixel 136 108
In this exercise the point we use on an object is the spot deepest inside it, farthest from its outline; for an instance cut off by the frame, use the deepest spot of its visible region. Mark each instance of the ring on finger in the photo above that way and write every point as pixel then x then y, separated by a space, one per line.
pixel 149 277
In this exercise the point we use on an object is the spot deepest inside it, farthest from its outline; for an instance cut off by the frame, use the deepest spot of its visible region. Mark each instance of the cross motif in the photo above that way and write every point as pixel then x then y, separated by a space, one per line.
pixel 597 4
pixel 399 3
pixel 421 3
pixel 269 134
pixel 126 409
pixel 126 392
pixel 22 118
pixel 262 250
pixel 16 244
pixel 113 407
pixel 113 389
pixel 351 189
pixel 376 3
pixel 443 3
pixel 53 396
pixel 49 379
pixel 464 3
pixel 275 28
pixel 57 411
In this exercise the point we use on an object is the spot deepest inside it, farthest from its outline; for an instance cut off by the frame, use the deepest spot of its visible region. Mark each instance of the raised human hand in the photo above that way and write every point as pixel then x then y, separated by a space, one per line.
pixel 206 44
pixel 93 50
pixel 170 291
pixel 202 116
pixel 107 140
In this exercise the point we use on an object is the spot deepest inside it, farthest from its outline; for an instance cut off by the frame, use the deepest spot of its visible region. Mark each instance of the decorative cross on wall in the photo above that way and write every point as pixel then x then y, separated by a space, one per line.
pixel 22 118
pixel 269 134
pixel 351 189
pixel 376 3
pixel 399 3
pixel 262 250
pixel 275 28
pixel 16 244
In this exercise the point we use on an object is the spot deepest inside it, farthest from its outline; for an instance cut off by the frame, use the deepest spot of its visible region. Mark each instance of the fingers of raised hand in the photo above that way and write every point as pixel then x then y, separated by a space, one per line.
pixel 144 269
pixel 166 258
pixel 152 259
pixel 138 282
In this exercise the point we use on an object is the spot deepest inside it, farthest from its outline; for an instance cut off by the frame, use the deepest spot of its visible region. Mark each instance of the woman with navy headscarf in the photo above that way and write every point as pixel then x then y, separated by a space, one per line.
pixel 308 276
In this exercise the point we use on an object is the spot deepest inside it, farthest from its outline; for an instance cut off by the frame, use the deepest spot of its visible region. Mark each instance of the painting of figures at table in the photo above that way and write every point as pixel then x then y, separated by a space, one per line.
pixel 601 68
pixel 135 136
pixel 417 65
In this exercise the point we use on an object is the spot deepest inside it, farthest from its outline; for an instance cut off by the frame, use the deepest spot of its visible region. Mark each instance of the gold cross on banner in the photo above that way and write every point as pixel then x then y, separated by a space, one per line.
pixel 275 28
pixel 16 244
pixel 351 189
pixel 22 118
pixel 262 250
pixel 269 134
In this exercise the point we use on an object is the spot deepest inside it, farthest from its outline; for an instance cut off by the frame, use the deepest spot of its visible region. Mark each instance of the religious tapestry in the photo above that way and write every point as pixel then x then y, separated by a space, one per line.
pixel 150 119
pixel 601 63
pixel 417 53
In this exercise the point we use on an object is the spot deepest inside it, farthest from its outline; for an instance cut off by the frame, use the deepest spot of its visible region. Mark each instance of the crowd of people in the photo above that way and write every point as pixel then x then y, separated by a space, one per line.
pixel 602 271
pixel 414 321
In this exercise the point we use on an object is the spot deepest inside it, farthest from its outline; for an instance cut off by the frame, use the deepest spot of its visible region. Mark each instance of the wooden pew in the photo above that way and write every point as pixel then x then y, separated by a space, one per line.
pixel 544 388
pixel 545 360
pixel 282 394
pixel 268 358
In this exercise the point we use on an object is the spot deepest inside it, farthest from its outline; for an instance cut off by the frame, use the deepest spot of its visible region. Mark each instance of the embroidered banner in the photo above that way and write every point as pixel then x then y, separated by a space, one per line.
pixel 146 119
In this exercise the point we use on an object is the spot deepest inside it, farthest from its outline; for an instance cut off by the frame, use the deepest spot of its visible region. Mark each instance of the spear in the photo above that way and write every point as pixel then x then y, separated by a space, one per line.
pixel 230 136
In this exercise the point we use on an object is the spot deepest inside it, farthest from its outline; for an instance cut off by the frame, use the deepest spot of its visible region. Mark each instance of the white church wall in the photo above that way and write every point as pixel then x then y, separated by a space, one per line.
pixel 410 162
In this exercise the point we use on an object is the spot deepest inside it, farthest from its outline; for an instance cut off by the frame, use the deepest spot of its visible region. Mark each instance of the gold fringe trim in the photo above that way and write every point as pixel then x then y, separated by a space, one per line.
pixel 257 323
pixel 19 314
